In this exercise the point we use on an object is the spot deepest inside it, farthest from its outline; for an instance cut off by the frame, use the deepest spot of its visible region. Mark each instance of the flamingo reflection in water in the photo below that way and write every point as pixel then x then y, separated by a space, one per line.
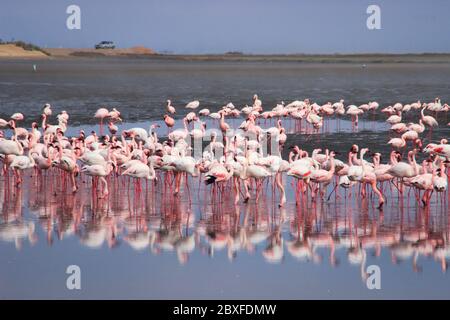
pixel 309 234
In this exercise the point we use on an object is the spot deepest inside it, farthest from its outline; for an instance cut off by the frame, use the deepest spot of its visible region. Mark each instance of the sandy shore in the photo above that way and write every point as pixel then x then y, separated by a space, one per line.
pixel 13 51
pixel 87 52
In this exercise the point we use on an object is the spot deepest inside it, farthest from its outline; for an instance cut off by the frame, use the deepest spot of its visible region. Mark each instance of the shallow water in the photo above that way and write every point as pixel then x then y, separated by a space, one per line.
pixel 150 244
pixel 139 88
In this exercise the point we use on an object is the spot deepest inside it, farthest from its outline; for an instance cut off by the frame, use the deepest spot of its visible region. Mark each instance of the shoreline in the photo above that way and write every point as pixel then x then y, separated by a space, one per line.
pixel 315 58
pixel 87 54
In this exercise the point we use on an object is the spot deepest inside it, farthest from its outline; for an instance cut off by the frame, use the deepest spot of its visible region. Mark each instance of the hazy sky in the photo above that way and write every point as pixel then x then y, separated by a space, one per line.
pixel 252 26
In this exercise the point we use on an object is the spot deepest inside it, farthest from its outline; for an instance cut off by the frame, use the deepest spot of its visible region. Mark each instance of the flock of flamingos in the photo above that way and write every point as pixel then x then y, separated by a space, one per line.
pixel 234 164
pixel 235 161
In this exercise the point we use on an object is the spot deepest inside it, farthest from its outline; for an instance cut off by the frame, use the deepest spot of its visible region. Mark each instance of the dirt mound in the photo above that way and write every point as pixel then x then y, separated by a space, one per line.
pixel 141 50
pixel 85 52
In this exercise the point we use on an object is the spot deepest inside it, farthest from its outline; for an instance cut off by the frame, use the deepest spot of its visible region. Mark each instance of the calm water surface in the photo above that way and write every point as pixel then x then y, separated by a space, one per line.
pixel 153 245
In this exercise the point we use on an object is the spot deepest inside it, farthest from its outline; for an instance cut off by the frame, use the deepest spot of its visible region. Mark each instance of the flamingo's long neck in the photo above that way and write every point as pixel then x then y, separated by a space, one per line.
pixel 412 162
pixel 44 121
pixel 226 147
pixel 416 167
pixel 152 172
pixel 350 155
pixel 32 162
pixel 20 147
pixel 393 159
pixel 376 161
pixel 361 157
pixel 13 126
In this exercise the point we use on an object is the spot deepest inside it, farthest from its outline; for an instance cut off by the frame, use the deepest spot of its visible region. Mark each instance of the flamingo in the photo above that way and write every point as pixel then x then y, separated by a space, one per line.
pixel 257 104
pixel 374 105
pixel 416 105
pixel 170 108
pixel 191 116
pixel 410 135
pixel 223 125
pixel 169 121
pixel 215 115
pixel 112 128
pixel 397 142
pixel 68 163
pixel 440 182
pixel 381 170
pixel 114 115
pixel 188 165
pixel 399 127
pixel 20 163
pixel 101 171
pixel 258 172
pixel 315 120
pixel 368 176
pixel 140 170
pixel 17 116
pixel 47 109
pixel 404 170
pixel 101 114
pixel 63 116
pixel 354 111
pixel 11 147
pixel 406 108
pixel 193 104
pixel 218 173
pixel 442 149
pixel 179 134
pixel 428 120
pixel 204 112
pixel 419 128
pixel 396 118
pixel 42 162
pixel 324 176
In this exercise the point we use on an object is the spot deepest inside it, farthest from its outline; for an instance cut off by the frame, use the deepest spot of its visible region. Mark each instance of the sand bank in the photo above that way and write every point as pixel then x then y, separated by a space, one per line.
pixel 13 51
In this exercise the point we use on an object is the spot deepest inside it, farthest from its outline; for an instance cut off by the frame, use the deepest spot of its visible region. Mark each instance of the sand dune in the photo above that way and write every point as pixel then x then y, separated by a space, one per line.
pixel 13 51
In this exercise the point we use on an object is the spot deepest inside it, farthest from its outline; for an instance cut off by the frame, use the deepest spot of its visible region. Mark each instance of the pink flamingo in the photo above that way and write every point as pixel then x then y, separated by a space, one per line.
pixel 101 114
